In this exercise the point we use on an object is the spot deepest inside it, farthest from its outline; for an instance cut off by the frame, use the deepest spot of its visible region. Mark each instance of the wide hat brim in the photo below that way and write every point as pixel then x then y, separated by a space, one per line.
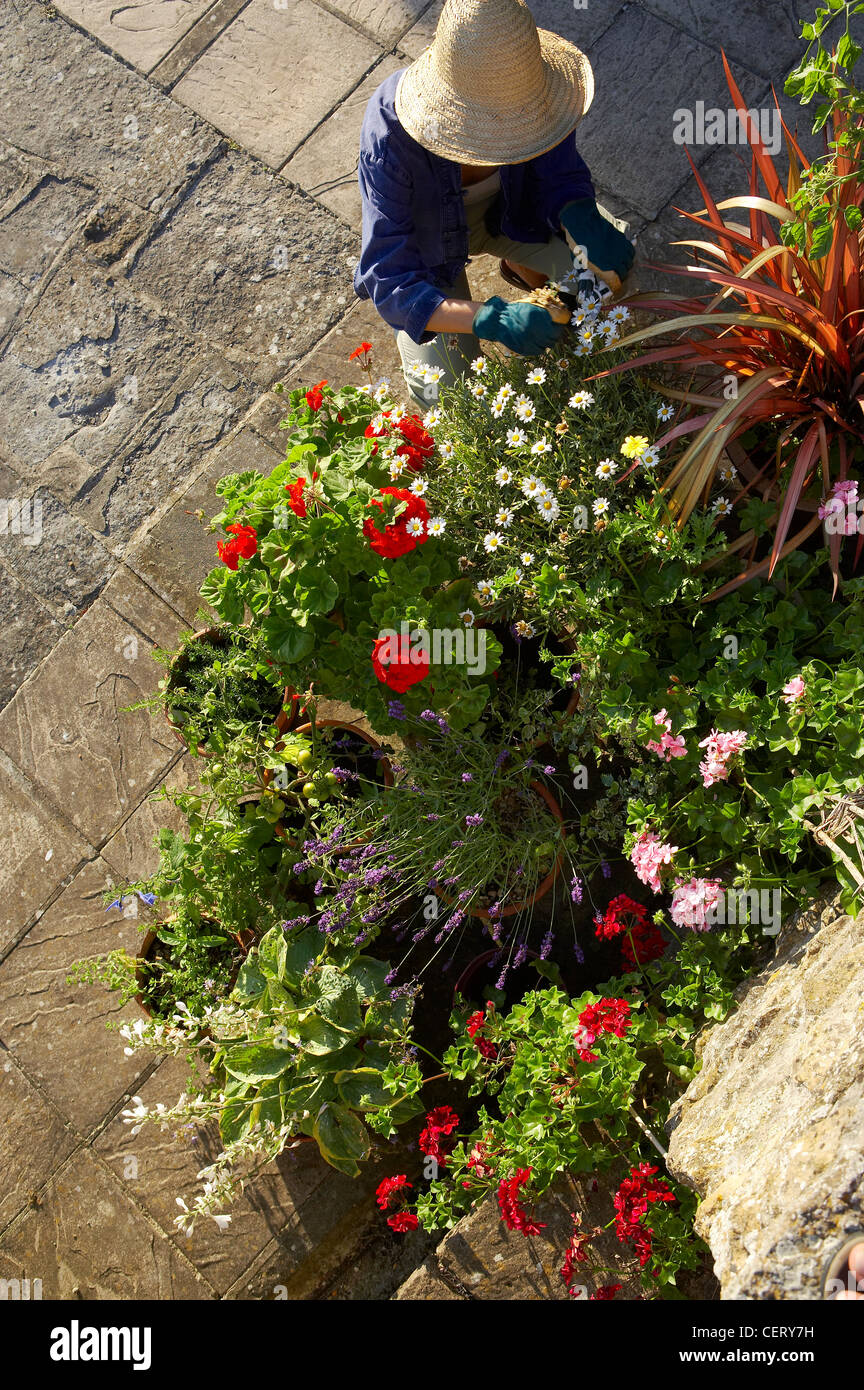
pixel 459 128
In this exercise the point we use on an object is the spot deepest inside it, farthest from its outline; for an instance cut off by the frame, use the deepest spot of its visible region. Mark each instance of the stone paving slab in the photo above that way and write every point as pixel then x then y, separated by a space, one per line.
pixel 33 1140
pixel 58 1030
pixel 159 1166
pixel 256 266
pixel 111 125
pixel 39 852
pixel 627 136
pixel 384 20
pixel 131 853
pixel 270 77
pixel 87 367
pixel 87 1240
pixel 30 631
pixel 57 558
pixel 176 555
pixel 66 728
pixel 36 226
pixel 581 25
pixel 326 163
pixel 142 33
pixel 195 41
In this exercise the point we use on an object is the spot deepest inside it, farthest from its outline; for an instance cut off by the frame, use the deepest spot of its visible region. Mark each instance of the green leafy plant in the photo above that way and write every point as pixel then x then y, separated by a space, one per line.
pixel 775 359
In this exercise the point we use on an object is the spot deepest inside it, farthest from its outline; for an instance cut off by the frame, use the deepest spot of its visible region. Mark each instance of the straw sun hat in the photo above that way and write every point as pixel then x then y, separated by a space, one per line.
pixel 492 88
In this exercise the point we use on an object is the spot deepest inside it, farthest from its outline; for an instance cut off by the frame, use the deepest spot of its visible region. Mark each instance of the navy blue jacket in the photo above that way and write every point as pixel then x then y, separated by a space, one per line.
pixel 415 233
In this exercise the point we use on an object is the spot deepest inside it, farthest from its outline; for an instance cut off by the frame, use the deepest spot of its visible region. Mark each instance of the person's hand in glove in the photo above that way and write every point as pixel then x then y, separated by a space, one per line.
pixel 608 251
pixel 524 328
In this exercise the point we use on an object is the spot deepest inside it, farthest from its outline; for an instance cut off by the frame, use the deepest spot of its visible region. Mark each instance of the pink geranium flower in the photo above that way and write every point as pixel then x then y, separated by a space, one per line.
pixel 793 690
pixel 648 856
pixel 669 746
pixel 693 901
pixel 720 747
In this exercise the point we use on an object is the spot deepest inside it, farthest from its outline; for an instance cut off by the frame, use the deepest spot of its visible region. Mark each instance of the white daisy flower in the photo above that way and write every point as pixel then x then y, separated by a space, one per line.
pixel 586 338
pixel 415 526
pixel 504 517
pixel 492 541
pixel 446 450
pixel 600 506
pixel 527 558
pixel 650 458
pixel 479 364
pixel 548 508
pixel 532 487
pixel 536 376
pixel 619 314
pixel 397 467
pixel 478 390
pixel 437 526
pixel 381 393
pixel 364 390
pixel 379 422
pixel 541 447
pixel 431 418
pixel 606 468
pixel 419 486
pixel 503 475
pixel 506 391
pixel 727 473
pixel 398 413
pixel 467 617
pixel 497 408
pixel 485 589
pixel 722 507
pixel 525 411
pixel 516 438
pixel 581 400
pixel 665 412
pixel 431 375
pixel 523 629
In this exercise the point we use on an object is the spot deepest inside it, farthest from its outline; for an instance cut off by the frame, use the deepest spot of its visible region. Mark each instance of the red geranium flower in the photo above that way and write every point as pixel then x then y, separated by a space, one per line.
pixel 243 543
pixel 607 1016
pixel 295 497
pixel 399 676
pixel 395 539
pixel 484 1046
pixel 360 351
pixel 315 395
pixel 621 913
pixel 388 1187
pixel 606 1291
pixel 513 1214
pixel 442 1120
pixel 403 1221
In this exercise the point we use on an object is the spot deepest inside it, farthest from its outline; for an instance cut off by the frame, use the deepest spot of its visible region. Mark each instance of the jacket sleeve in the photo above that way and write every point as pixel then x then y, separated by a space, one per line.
pixel 391 271
pixel 560 176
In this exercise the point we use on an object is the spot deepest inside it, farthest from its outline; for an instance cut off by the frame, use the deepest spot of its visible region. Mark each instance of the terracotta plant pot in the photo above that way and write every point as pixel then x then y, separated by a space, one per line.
pixel 245 940
pixel 545 884
pixel 285 719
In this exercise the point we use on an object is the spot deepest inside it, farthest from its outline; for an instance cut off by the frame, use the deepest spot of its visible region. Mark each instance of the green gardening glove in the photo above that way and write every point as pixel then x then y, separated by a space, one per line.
pixel 608 251
pixel 524 328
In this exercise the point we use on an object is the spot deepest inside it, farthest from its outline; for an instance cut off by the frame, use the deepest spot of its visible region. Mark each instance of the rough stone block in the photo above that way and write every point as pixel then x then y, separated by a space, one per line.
pixel 36 226
pixel 771 1131
pixel 270 77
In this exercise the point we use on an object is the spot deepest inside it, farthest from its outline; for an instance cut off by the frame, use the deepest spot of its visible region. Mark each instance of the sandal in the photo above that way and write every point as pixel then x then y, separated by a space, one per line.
pixel 513 277
pixel 837 1267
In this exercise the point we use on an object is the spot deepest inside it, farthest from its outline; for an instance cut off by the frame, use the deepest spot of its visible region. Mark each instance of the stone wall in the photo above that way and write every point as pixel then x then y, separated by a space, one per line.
pixel 771 1131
